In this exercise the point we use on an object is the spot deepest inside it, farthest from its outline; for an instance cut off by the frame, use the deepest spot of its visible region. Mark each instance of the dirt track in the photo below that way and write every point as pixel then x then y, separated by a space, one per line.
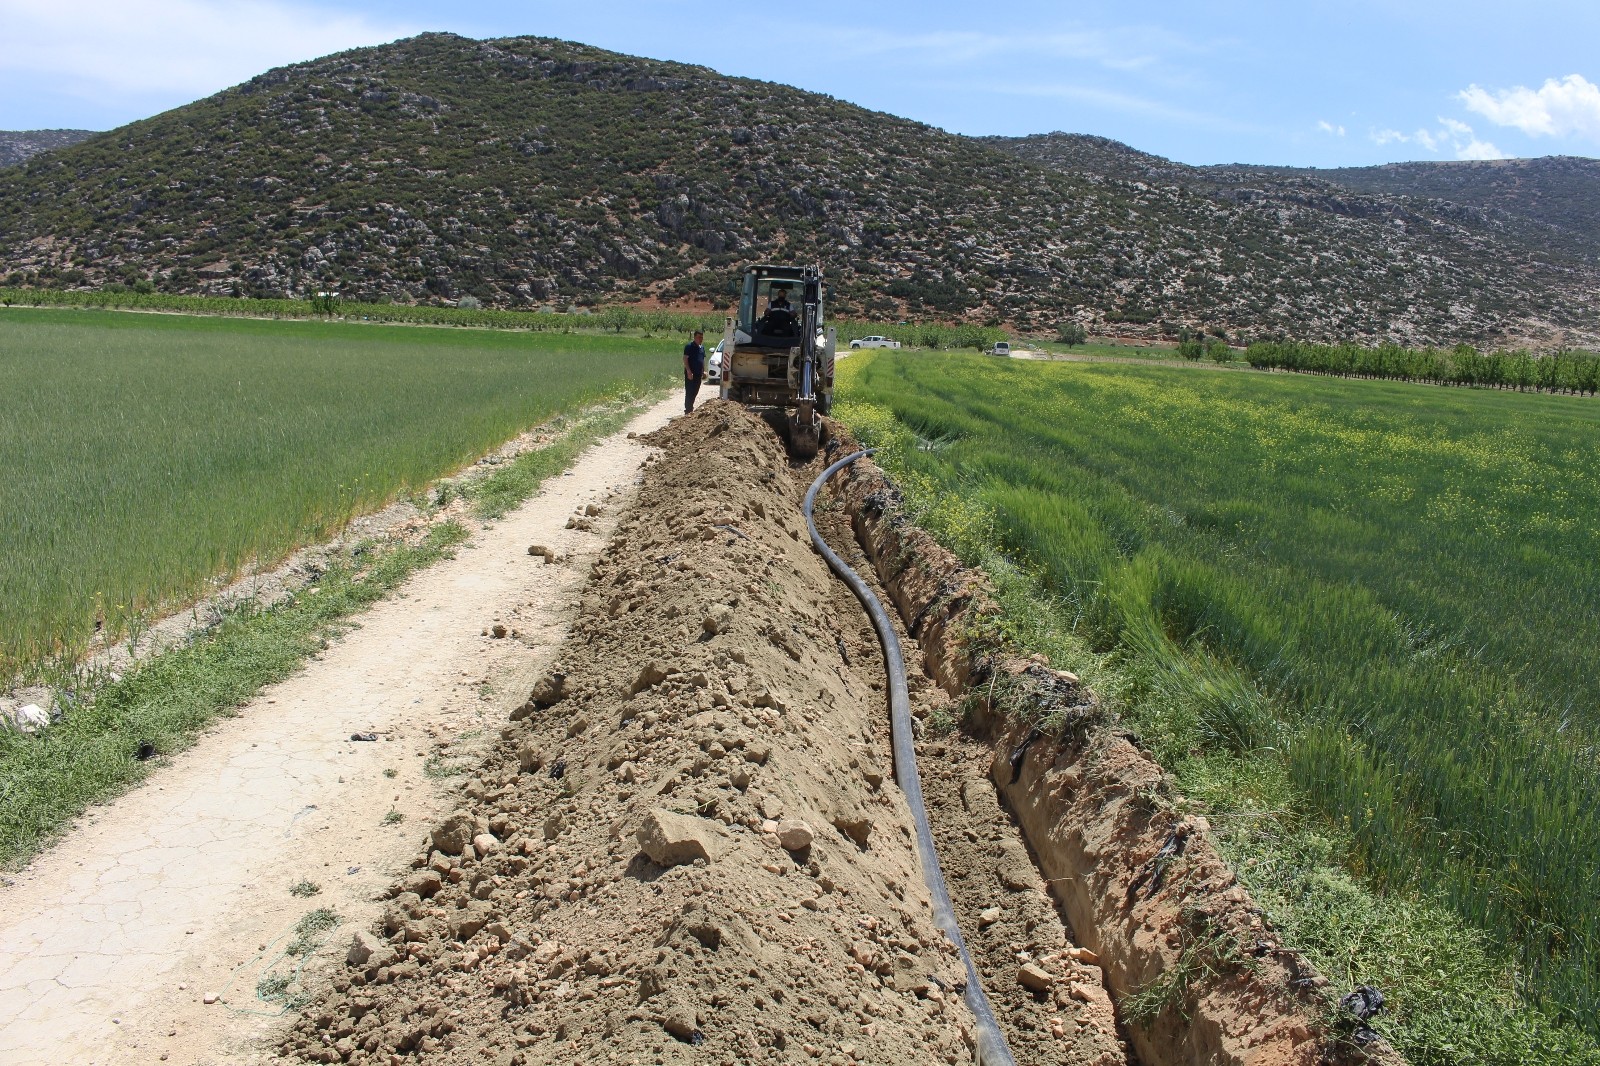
pixel 110 941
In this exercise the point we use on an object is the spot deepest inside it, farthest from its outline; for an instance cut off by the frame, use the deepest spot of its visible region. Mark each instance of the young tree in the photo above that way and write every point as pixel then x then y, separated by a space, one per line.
pixel 1586 377
pixel 1071 334
pixel 1191 345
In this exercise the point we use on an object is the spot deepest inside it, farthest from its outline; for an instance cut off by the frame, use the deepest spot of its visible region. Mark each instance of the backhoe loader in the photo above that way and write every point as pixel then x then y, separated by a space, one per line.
pixel 777 353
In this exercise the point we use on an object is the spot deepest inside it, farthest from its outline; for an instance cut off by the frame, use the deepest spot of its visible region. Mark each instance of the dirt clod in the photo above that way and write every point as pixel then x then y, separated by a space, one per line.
pixel 794 834
pixel 454 835
pixel 551 690
pixel 651 675
pixel 424 884
pixel 718 619
pixel 363 946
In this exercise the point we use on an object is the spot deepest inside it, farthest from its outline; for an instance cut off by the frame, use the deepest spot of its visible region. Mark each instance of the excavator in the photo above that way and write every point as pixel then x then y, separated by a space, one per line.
pixel 776 352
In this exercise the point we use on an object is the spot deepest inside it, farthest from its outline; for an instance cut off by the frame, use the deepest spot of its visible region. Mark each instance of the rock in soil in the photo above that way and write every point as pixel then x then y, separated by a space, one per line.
pixel 671 839
pixel 1034 978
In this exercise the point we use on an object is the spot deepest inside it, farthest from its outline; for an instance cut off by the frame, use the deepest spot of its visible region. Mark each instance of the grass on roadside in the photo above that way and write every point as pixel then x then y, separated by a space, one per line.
pixel 495 494
pixel 284 988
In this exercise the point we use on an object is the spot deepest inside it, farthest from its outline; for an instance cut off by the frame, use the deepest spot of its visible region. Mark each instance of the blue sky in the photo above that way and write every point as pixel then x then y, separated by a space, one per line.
pixel 1306 83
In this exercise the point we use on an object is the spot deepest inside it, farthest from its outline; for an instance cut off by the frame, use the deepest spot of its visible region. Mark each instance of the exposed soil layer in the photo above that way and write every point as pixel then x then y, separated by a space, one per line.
pixel 1139 881
pixel 1046 991
pixel 1010 922
pixel 687 846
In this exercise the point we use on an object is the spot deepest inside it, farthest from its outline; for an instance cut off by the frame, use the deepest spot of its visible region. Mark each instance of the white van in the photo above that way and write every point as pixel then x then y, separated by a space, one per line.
pixel 1000 348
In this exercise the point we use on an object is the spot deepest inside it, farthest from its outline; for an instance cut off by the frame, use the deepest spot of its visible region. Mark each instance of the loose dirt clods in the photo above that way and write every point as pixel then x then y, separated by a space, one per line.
pixel 682 848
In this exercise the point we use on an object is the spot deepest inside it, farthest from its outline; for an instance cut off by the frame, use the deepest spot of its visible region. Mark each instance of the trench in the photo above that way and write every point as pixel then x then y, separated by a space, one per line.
pixel 1128 876
pixel 686 845
pixel 1006 914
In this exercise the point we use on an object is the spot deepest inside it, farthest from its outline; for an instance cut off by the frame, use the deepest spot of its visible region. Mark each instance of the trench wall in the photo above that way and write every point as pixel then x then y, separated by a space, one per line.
pixel 1138 880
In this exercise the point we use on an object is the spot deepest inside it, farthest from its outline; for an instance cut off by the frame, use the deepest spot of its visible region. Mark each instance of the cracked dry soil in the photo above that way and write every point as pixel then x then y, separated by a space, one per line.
pixel 688 846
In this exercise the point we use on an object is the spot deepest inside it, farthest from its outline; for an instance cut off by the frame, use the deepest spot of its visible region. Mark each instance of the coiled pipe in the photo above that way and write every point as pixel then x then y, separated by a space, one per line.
pixel 992 1049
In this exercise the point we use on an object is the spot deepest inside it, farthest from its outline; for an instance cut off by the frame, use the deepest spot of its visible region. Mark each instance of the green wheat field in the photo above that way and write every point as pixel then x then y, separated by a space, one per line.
pixel 1373 604
pixel 146 454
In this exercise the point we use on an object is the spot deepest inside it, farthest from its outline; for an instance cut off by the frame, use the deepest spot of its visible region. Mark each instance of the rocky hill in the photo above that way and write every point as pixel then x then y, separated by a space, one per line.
pixel 18 146
pixel 529 171
pixel 1528 204
pixel 1562 192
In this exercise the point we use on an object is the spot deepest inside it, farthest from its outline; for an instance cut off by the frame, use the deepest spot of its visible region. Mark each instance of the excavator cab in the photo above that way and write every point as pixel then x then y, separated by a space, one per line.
pixel 777 351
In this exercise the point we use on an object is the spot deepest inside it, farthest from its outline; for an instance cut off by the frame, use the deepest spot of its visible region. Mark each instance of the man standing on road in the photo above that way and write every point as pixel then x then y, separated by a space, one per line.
pixel 694 369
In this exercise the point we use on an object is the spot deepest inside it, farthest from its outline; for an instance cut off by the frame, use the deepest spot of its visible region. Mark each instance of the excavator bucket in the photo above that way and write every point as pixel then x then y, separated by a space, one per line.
pixel 805 434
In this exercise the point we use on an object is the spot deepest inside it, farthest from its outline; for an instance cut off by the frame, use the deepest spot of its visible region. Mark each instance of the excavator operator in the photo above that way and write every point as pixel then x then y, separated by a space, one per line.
pixel 779 321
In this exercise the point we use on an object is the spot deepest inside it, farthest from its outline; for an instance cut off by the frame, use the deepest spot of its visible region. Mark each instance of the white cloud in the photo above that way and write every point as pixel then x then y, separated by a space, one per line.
pixel 1562 107
pixel 1476 149
pixel 1327 127
pixel 106 50
pixel 1453 135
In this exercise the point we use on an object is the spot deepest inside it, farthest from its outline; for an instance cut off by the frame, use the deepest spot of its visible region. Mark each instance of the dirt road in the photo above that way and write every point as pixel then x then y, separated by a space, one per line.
pixel 180 892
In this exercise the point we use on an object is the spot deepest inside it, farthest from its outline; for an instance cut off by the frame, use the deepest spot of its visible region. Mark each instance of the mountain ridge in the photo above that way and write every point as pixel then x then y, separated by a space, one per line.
pixel 528 172
pixel 1559 189
pixel 19 146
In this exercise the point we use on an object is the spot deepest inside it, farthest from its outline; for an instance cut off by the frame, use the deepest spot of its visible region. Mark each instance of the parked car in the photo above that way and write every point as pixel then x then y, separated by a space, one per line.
pixel 874 342
pixel 714 366
pixel 1000 348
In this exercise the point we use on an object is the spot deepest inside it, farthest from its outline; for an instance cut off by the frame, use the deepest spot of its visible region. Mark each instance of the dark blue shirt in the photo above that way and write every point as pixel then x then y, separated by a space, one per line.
pixel 696 355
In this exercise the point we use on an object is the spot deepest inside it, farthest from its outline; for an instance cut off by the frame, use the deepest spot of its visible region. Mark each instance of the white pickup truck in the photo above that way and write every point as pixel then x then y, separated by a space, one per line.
pixel 874 342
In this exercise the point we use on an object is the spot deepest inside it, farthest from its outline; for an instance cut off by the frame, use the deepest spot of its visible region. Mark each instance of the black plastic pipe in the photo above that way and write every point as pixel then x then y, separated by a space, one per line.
pixel 992 1049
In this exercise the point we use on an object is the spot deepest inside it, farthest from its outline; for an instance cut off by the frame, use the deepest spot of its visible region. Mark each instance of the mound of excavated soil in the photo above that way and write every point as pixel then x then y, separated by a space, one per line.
pixel 689 846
